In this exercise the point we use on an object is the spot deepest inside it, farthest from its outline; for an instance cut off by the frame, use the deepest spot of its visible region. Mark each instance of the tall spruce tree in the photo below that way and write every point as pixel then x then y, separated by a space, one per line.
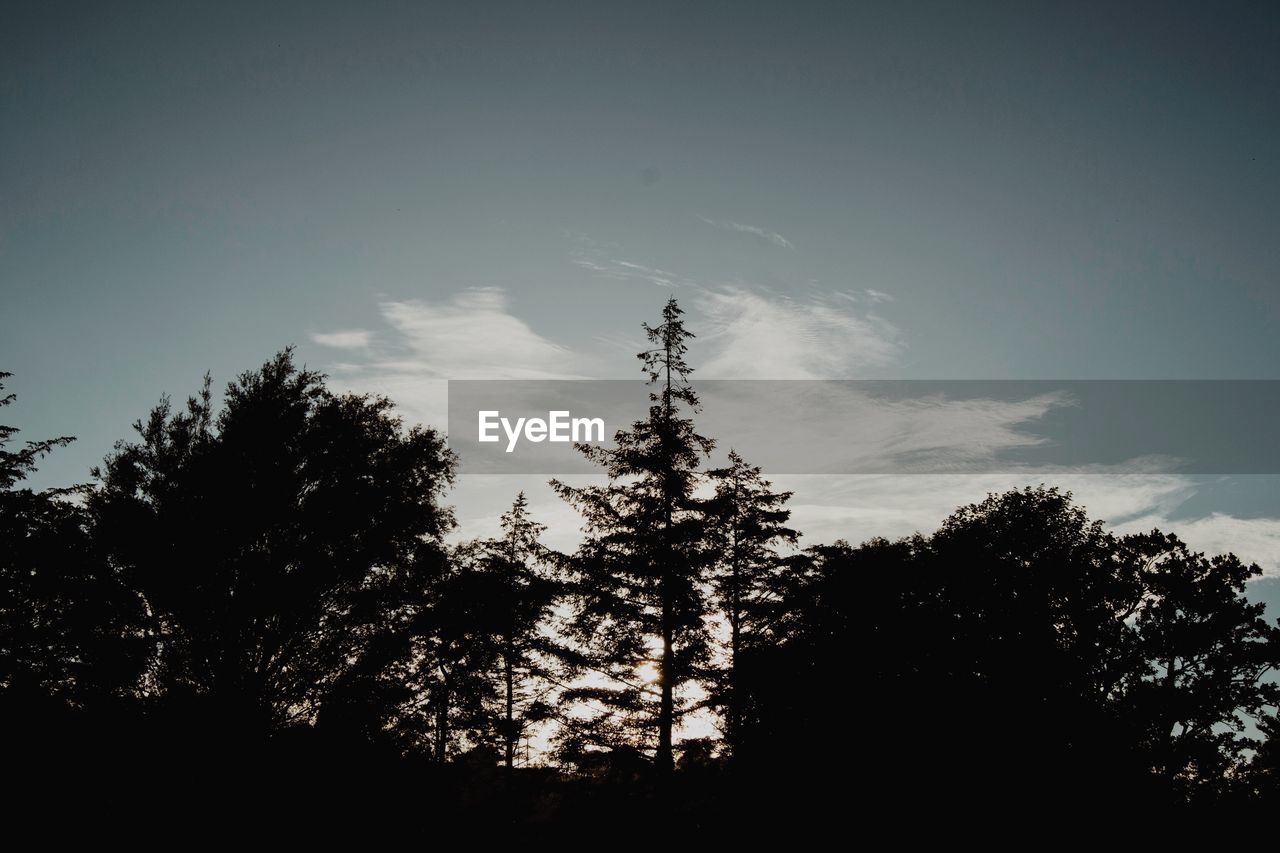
pixel 641 572
pixel 747 524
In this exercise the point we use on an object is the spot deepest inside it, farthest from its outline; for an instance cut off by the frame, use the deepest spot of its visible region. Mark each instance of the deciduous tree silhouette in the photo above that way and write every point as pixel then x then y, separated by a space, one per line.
pixel 1026 622
pixel 1206 649
pixel 1262 774
pixel 1120 650
pixel 276 545
pixel 68 638
pixel 1024 653
pixel 642 570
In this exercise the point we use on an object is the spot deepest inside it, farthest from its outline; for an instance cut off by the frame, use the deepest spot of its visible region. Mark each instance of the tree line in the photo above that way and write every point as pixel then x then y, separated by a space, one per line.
pixel 271 593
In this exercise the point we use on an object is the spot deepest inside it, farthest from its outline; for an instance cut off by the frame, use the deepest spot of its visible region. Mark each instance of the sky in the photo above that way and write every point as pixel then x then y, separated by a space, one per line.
pixel 416 192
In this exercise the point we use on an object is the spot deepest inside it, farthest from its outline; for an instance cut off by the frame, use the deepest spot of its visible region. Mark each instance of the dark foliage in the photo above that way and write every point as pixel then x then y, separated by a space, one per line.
pixel 524 588
pixel 281 548
pixel 640 576
pixel 1021 655
pixel 67 625
pixel 746 526
pixel 252 620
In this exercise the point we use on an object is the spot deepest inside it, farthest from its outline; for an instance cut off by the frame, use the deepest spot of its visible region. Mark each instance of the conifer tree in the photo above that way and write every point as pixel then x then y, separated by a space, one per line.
pixel 486 664
pixel 526 590
pixel 747 525
pixel 641 571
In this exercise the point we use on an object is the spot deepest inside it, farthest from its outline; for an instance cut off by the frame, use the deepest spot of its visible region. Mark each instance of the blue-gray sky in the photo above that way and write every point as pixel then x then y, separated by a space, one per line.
pixel 412 192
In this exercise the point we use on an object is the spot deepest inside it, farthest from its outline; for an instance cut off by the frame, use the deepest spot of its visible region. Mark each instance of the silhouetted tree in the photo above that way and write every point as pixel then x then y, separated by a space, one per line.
pixel 840 630
pixel 277 546
pixel 1131 651
pixel 1206 650
pixel 747 524
pixel 526 589
pixel 1022 653
pixel 1026 612
pixel 642 569
pixel 271 579
pixel 1261 776
pixel 456 649
pixel 67 626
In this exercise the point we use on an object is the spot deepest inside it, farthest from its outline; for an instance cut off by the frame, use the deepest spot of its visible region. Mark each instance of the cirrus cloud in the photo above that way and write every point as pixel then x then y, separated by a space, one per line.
pixel 771 236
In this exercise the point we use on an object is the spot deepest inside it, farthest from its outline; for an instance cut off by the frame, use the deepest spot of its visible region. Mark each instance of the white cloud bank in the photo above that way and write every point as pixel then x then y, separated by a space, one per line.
pixel 344 339
pixel 857 508
pixel 747 335
pixel 472 335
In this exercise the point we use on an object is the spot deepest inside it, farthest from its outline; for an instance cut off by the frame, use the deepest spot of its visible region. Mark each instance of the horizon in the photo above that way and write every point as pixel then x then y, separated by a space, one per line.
pixel 974 248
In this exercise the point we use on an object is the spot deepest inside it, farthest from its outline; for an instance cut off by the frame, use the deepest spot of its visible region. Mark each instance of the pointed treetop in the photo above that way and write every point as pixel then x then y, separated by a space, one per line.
pixel 665 364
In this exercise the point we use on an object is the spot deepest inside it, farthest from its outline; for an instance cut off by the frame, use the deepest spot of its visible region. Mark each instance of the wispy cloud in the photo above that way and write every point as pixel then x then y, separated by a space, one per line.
pixel 772 236
pixel 749 335
pixel 870 295
pixel 602 259
pixel 620 270
pixel 344 339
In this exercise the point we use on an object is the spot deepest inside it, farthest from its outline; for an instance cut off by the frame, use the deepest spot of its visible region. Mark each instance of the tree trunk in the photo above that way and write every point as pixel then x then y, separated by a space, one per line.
pixel 510 730
pixel 734 631
pixel 1171 689
pixel 509 734
pixel 442 723
pixel 664 759
pixel 666 710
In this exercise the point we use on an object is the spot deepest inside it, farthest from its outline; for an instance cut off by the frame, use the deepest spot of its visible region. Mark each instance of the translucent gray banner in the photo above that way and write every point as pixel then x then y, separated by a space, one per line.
pixel 888 426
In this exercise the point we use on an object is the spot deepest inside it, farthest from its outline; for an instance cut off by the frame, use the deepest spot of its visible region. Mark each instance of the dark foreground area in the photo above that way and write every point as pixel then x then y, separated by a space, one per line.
pixel 73 779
